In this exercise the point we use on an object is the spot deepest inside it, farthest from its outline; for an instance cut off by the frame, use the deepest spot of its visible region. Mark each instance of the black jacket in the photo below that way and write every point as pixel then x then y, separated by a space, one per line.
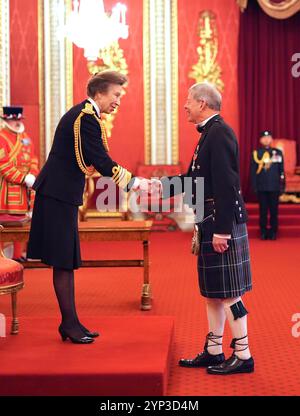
pixel 61 178
pixel 217 162
pixel 267 178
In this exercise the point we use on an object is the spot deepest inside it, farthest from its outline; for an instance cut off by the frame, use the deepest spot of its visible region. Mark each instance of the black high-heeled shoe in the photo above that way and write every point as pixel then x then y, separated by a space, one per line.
pixel 64 336
pixel 88 333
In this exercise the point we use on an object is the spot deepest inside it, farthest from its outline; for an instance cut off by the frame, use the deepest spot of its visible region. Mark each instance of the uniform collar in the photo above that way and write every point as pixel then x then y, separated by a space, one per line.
pixel 95 106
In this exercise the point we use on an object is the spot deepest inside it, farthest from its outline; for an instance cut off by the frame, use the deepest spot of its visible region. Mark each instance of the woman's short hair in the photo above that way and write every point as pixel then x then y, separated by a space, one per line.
pixel 101 81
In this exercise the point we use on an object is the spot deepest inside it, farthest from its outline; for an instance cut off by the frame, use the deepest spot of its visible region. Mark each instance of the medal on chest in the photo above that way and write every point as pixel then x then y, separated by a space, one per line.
pixel 195 158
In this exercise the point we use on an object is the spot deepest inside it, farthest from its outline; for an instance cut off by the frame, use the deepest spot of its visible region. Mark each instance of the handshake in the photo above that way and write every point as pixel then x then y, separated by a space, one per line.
pixel 147 186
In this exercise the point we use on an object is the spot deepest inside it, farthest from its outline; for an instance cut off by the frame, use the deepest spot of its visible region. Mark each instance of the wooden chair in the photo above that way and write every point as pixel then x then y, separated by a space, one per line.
pixel 11 281
pixel 291 170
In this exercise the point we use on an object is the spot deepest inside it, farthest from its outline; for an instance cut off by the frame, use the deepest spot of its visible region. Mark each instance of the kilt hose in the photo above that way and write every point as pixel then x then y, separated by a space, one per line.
pixel 228 274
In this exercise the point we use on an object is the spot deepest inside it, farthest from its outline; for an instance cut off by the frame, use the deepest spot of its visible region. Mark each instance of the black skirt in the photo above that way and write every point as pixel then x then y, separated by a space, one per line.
pixel 54 237
pixel 228 274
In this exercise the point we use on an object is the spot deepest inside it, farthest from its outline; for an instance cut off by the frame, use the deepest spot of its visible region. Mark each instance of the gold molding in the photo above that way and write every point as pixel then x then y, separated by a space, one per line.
pixel 242 4
pixel 41 59
pixel 174 49
pixel 69 62
pixel 4 53
pixel 167 39
pixel 50 89
pixel 283 10
pixel 147 85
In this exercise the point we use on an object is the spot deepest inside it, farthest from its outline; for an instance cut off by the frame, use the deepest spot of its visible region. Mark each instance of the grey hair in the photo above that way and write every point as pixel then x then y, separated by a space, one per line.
pixel 207 92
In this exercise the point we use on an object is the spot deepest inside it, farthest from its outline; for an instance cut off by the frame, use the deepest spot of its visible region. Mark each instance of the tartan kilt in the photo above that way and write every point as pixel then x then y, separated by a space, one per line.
pixel 228 274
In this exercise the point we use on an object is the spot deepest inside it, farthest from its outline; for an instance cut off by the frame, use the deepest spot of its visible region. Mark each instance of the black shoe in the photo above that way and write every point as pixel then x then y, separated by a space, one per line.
pixel 263 235
pixel 89 333
pixel 233 365
pixel 83 340
pixel 21 259
pixel 204 359
pixel 273 235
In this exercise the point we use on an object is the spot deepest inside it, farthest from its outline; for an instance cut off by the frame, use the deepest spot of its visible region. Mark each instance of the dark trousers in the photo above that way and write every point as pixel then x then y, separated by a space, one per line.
pixel 268 202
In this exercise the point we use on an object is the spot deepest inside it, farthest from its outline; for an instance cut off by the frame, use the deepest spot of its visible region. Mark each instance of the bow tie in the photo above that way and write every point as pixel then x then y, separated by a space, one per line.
pixel 200 129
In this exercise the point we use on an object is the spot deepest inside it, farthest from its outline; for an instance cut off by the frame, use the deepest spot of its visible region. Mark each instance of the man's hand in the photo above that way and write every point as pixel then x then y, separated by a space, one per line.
pixel 155 187
pixel 220 244
pixel 29 180
pixel 147 186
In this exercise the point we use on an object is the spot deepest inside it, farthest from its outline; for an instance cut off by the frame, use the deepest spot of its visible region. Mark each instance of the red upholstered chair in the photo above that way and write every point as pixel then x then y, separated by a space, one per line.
pixel 292 171
pixel 11 281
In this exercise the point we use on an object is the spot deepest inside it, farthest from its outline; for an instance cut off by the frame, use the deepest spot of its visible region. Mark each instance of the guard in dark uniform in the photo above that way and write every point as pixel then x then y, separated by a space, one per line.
pixel 224 270
pixel 268 182
pixel 79 147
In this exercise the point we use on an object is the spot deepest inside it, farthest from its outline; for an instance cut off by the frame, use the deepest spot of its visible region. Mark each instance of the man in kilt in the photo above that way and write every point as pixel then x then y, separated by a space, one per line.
pixel 223 258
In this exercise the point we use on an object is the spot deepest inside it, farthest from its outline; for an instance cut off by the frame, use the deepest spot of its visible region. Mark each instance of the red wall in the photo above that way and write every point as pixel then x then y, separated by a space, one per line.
pixel 127 141
pixel 227 18
pixel 24 63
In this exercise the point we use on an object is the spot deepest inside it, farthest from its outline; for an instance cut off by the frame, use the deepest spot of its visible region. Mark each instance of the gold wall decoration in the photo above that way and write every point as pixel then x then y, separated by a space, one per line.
pixel 110 58
pixel 242 4
pixel 281 10
pixel 207 67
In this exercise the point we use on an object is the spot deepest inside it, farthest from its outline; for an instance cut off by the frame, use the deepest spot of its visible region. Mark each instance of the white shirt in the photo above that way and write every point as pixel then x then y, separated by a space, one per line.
pixel 95 106
pixel 205 121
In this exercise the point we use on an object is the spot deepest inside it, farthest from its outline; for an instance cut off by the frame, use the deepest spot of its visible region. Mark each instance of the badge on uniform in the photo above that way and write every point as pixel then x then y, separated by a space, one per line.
pixel 276 158
pixel 26 141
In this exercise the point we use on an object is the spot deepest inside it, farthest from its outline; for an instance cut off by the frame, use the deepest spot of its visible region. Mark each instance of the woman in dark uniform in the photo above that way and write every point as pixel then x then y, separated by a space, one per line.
pixel 78 148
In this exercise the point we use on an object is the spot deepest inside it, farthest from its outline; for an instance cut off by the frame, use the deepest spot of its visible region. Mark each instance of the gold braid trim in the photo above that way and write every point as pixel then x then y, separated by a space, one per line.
pixel 260 162
pixel 88 109
pixel 121 176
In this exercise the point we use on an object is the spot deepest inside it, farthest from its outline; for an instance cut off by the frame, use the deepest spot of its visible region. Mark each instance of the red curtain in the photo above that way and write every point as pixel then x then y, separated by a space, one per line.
pixel 269 95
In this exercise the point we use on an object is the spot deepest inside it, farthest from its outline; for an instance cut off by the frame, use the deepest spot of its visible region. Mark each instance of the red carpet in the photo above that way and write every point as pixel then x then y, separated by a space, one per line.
pixel 116 292
pixel 129 358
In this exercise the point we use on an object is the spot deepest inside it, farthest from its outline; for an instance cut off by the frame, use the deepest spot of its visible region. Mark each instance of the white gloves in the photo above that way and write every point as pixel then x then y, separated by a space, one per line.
pixel 29 180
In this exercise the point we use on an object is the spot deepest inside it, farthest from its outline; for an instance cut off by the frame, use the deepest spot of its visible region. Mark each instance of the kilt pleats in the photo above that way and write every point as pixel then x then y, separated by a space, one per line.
pixel 228 274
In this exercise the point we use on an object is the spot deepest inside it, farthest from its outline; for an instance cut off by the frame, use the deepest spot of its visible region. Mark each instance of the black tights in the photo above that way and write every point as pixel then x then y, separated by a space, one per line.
pixel 63 281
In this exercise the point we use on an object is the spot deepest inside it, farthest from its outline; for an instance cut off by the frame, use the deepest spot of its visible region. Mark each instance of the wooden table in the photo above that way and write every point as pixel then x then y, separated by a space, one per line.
pixel 101 231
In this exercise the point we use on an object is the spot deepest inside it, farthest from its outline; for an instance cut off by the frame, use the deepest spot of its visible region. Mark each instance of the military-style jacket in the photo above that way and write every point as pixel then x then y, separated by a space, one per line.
pixel 267 170
pixel 17 159
pixel 79 143
pixel 216 159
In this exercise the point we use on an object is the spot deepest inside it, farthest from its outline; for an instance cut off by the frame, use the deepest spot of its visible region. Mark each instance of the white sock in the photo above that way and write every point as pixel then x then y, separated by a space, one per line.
pixel 238 329
pixel 216 320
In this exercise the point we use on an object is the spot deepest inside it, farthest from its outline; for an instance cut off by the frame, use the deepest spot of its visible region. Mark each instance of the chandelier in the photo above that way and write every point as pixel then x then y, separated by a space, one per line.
pixel 89 27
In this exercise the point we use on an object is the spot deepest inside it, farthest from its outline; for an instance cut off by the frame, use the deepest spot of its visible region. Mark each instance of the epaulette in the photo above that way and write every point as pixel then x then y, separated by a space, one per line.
pixel 88 109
